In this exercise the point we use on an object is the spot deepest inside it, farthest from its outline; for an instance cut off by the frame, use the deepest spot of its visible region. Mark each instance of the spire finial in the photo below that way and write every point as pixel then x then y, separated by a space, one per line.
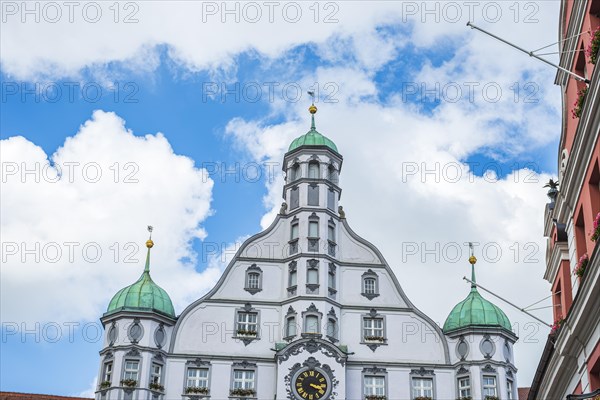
pixel 149 245
pixel 472 261
pixel 313 110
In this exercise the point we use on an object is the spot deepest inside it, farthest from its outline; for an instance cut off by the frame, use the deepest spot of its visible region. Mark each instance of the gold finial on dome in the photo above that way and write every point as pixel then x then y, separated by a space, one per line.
pixel 472 260
pixel 149 242
pixel 312 109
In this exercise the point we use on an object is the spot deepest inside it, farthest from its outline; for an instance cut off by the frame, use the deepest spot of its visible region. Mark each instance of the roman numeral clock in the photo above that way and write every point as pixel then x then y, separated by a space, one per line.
pixel 311 381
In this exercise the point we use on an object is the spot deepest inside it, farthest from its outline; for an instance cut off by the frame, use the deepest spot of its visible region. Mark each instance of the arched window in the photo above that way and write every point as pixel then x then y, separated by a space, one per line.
pixel 332 174
pixel 313 170
pixel 295 172
pixel 370 284
pixel 253 279
pixel 290 327
pixel 311 324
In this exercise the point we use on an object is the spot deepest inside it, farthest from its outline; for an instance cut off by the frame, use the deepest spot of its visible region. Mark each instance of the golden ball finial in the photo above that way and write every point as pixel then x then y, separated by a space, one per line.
pixel 149 243
pixel 312 109
pixel 472 260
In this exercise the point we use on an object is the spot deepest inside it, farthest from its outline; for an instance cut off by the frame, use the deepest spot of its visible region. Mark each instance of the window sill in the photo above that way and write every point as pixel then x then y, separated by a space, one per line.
pixel 370 296
pixel 253 291
pixel 311 335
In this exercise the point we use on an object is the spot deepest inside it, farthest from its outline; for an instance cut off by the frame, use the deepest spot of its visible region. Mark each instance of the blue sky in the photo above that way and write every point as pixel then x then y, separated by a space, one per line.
pixel 377 67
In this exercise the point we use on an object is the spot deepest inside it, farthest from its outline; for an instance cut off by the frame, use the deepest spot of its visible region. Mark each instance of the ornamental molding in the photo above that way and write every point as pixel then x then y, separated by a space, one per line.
pixel 462 371
pixel 312 346
pixel 244 364
pixel 254 267
pixel 290 311
pixel 108 356
pixel 198 362
pixel 133 353
pixel 312 263
pixel 488 368
pixel 422 372
pixel 369 272
pixel 312 309
pixel 158 357
pixel 374 370
pixel 331 313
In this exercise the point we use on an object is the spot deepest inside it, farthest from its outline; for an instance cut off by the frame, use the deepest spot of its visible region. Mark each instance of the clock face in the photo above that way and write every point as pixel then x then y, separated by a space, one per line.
pixel 311 384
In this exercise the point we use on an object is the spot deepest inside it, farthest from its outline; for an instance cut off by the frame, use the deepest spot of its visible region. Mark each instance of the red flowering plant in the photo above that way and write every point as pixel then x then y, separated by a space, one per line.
pixel 596 233
pixel 557 324
pixel 592 50
pixel 581 265
pixel 578 104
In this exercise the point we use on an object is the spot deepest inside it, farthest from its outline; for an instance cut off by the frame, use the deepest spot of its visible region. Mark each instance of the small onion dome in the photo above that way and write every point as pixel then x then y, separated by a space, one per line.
pixel 475 311
pixel 312 137
pixel 143 295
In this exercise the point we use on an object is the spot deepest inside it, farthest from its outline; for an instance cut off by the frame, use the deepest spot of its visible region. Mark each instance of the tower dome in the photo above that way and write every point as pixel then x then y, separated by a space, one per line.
pixel 475 311
pixel 312 137
pixel 143 295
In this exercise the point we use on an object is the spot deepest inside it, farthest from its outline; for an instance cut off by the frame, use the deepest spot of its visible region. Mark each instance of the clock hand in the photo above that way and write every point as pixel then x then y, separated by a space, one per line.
pixel 316 386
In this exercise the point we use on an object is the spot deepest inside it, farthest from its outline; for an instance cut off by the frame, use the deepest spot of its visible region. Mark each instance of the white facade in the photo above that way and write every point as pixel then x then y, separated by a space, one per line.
pixel 306 295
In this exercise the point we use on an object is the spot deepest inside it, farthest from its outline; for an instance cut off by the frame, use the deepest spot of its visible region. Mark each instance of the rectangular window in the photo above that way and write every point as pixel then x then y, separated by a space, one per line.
pixel 253 281
pixel 331 199
pixel 197 377
pixel 373 328
pixel 312 324
pixel 243 379
pixel 331 280
pixel 247 322
pixel 370 286
pixel 509 390
pixel 313 170
pixel 294 198
pixel 489 386
pixel 464 387
pixel 131 369
pixel 332 328
pixel 312 277
pixel 422 387
pixel 374 385
pixel 290 329
pixel 313 229
pixel 331 233
pixel 107 374
pixel 294 233
pixel 293 278
pixel 313 195
pixel 155 373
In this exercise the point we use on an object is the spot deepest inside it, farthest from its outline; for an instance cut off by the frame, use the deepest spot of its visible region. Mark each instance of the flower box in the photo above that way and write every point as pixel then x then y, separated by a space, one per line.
pixel 465 398
pixel 374 397
pixel 196 390
pixel 492 398
pixel 156 386
pixel 423 398
pixel 596 233
pixel 592 50
pixel 557 324
pixel 242 392
pixel 104 385
pixel 243 332
pixel 581 266
pixel 374 339
pixel 130 383
pixel 578 105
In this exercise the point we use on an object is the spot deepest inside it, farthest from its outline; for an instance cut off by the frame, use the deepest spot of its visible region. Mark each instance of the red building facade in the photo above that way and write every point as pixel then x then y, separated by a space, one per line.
pixel 570 364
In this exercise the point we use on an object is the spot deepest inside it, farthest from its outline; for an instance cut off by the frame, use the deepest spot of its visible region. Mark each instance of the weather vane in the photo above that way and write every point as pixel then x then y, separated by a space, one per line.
pixel 150 229
pixel 311 93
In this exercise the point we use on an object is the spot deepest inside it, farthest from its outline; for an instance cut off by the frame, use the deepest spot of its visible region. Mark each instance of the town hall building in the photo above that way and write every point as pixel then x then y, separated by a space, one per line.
pixel 306 310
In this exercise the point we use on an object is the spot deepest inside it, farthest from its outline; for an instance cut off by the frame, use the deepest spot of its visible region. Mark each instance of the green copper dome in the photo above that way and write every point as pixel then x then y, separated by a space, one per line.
pixel 312 137
pixel 143 295
pixel 475 311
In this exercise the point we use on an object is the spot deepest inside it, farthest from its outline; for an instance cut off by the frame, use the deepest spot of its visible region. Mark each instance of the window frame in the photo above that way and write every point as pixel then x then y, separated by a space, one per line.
pixel 311 165
pixel 246 310
pixel 244 367
pixel 370 274
pixel 374 372
pixel 198 364
pixel 484 386
pixel 373 315
pixel 126 371
pixel 313 269
pixel 153 375
pixel 460 388
pixel 292 272
pixel 253 270
pixel 106 374
pixel 421 388
pixel 311 311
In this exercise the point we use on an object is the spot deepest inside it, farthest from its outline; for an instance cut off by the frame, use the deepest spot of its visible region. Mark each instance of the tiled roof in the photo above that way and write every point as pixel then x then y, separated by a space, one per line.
pixel 523 393
pixel 31 396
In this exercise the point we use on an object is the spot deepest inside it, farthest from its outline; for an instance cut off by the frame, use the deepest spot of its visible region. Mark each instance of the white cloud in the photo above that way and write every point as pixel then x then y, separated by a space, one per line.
pixel 153 186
